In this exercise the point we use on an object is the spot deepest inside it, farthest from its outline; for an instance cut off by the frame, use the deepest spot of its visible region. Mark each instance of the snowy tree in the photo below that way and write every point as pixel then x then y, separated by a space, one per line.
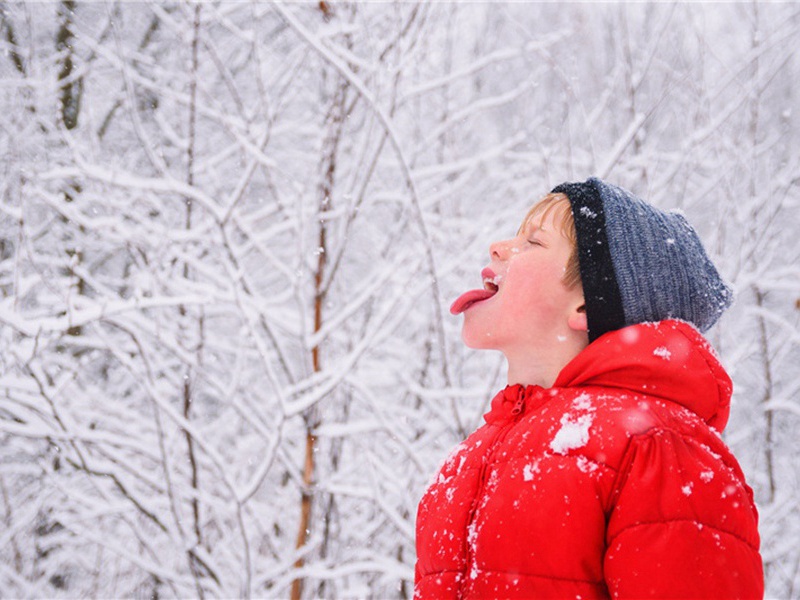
pixel 229 233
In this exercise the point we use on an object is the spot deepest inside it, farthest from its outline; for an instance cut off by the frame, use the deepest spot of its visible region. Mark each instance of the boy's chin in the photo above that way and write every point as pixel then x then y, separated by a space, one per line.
pixel 478 339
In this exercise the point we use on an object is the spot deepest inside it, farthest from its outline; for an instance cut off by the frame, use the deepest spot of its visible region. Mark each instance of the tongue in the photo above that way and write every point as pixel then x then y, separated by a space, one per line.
pixel 467 299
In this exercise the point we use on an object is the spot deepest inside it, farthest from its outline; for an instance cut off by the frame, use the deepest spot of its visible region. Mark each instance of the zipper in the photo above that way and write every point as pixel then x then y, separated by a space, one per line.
pixel 516 411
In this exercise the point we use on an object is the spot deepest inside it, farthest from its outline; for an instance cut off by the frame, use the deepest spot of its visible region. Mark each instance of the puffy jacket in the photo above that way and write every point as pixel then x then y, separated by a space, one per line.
pixel 612 483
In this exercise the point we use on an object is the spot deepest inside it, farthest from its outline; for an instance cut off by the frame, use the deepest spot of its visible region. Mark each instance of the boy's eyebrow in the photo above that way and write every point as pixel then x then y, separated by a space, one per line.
pixel 530 228
pixel 533 224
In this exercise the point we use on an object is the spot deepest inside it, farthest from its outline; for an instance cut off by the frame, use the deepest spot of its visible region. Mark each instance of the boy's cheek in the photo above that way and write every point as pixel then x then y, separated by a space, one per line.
pixel 524 305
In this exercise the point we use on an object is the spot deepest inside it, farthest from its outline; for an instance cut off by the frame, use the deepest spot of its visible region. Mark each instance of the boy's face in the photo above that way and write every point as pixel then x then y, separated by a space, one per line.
pixel 532 308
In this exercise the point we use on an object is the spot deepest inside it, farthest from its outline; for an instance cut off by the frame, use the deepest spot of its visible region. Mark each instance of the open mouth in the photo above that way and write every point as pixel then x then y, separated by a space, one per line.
pixel 490 286
pixel 467 299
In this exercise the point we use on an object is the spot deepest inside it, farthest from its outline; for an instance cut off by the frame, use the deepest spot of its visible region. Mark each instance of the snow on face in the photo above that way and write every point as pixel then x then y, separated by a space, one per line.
pixel 533 304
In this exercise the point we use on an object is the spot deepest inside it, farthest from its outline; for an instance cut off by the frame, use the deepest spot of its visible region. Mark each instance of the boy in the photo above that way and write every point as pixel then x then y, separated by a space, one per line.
pixel 599 472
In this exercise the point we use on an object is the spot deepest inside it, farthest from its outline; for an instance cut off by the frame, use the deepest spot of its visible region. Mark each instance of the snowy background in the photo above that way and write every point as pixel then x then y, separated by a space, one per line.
pixel 230 231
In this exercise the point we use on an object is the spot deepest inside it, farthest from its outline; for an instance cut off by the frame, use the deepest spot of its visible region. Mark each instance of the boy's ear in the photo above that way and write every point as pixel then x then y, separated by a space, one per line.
pixel 577 319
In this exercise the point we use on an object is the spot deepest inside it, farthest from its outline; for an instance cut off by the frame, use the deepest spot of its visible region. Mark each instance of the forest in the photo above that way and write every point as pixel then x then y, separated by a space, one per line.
pixel 230 232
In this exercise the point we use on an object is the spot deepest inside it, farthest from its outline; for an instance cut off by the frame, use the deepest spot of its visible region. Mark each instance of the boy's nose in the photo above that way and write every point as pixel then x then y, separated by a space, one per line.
pixel 500 250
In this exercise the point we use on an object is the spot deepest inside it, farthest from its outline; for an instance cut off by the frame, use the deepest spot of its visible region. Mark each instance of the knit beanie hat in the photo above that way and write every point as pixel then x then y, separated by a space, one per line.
pixel 638 263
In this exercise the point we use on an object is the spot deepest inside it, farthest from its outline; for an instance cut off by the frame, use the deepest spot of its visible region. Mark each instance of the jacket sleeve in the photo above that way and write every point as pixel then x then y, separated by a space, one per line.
pixel 682 523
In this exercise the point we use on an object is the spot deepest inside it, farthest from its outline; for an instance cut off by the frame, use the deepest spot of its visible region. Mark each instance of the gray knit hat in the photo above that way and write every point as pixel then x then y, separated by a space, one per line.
pixel 639 263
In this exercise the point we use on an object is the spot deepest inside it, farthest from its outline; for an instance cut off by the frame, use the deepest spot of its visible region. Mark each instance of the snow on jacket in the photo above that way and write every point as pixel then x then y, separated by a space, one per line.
pixel 614 482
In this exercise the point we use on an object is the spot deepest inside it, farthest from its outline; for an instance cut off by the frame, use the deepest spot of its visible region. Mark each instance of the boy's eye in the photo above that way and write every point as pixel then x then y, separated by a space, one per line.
pixel 534 242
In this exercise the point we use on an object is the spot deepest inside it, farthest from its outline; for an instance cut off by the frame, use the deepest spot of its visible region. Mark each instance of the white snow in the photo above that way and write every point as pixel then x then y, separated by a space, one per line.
pixel 222 305
pixel 662 352
pixel 582 402
pixel 586 466
pixel 530 470
pixel 574 433
pixel 495 280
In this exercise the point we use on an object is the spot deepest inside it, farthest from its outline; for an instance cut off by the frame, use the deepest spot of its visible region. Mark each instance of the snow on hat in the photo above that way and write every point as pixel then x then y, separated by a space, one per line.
pixel 639 263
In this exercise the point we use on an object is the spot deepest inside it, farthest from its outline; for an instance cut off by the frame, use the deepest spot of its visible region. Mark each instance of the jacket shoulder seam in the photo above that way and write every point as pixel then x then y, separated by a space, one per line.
pixel 692 521
pixel 553 577
pixel 573 456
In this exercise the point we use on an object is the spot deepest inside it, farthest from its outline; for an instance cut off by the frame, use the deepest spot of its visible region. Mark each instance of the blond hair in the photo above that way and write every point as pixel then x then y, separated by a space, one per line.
pixel 559 206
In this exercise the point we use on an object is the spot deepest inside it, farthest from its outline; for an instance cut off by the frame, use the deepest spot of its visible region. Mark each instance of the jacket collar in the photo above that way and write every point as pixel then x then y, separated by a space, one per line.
pixel 513 401
pixel 669 360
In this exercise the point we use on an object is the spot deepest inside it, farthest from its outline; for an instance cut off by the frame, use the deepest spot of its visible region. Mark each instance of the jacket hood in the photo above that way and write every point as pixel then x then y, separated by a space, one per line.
pixel 670 360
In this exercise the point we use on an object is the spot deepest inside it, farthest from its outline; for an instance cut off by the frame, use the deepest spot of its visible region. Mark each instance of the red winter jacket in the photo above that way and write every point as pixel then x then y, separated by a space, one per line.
pixel 614 482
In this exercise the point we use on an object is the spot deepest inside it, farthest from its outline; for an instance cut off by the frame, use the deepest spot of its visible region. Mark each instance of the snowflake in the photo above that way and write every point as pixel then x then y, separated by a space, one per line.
pixel 662 352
